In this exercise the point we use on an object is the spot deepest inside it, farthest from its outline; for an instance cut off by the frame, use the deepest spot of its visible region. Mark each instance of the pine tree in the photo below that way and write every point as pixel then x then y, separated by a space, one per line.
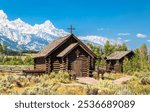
pixel 144 57
pixel 136 64
pixel 127 66
pixel 1 48
pixel 108 48
pixel 144 51
pixel 124 47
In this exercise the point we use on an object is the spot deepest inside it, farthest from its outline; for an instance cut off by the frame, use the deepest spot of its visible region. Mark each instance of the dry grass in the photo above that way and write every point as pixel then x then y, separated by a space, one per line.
pixel 10 83
pixel 113 76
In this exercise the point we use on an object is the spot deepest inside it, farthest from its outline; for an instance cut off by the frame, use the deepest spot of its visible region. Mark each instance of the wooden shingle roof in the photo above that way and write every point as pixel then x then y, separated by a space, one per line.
pixel 118 55
pixel 67 50
pixel 57 43
pixel 51 46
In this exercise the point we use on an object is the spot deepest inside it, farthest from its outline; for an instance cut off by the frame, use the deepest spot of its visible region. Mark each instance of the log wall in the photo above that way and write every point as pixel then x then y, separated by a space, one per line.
pixel 56 66
pixel 40 67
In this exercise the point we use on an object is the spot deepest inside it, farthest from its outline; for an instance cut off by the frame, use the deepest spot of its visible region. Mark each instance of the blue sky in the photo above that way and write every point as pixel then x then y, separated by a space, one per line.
pixel 128 20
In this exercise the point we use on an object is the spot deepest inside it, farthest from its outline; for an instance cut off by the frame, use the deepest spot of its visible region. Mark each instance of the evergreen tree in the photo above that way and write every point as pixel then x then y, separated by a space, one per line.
pixel 127 66
pixel 144 51
pixel 1 48
pixel 108 48
pixel 136 64
pixel 144 57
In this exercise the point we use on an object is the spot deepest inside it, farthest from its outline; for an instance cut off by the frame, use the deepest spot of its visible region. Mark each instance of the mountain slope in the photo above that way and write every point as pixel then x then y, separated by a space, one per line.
pixel 18 35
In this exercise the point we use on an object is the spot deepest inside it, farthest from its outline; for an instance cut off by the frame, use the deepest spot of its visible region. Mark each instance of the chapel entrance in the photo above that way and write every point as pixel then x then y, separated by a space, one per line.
pixel 77 67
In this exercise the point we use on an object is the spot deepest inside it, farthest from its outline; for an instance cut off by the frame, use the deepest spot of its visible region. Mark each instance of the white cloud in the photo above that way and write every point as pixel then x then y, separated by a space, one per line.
pixel 123 34
pixel 119 38
pixel 139 35
pixel 148 40
pixel 127 41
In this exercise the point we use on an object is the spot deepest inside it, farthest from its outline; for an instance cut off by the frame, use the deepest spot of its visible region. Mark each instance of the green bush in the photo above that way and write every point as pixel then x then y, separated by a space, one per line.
pixel 137 87
pixel 127 66
pixel 28 60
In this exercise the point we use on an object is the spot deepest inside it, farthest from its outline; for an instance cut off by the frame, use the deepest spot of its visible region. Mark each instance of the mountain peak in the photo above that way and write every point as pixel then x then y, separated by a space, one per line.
pixel 19 23
pixel 48 23
pixel 3 16
pixel 19 20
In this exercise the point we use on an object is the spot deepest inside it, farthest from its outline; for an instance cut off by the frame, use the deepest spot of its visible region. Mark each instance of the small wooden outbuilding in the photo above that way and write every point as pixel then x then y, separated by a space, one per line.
pixel 114 62
pixel 66 54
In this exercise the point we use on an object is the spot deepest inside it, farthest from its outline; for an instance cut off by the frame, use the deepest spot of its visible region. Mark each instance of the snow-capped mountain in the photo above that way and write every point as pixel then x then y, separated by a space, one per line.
pixel 18 35
pixel 99 40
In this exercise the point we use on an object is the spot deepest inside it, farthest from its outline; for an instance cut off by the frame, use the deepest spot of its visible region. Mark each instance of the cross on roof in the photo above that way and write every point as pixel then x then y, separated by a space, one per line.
pixel 71 29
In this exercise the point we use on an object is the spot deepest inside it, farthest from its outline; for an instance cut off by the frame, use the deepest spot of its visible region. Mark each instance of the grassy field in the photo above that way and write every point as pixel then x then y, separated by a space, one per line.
pixel 16 67
pixel 23 59
pixel 59 84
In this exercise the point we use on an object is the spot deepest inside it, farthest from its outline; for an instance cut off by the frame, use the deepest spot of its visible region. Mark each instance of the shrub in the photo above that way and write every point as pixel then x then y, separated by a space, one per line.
pixel 35 79
pixel 95 75
pixel 92 91
pixel 28 60
pixel 145 80
pixel 61 76
pixel 5 86
pixel 22 81
pixel 52 75
pixel 105 87
pixel 137 87
pixel 42 89
pixel 11 78
pixel 124 90
pixel 141 74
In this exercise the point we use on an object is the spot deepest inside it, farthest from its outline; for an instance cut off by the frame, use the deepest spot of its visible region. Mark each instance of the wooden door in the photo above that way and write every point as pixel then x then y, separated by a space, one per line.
pixel 77 67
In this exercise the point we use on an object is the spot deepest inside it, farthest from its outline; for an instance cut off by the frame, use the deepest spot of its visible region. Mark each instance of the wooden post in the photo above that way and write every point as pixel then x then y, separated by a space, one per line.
pixel 98 72
pixel 49 64
pixel 62 65
pixel 88 66
pixel 67 63
pixel 46 62
pixel 34 64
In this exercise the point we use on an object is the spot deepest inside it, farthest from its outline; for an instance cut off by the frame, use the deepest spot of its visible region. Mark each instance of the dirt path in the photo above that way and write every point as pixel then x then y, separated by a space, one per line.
pixel 122 80
pixel 87 80
pixel 93 81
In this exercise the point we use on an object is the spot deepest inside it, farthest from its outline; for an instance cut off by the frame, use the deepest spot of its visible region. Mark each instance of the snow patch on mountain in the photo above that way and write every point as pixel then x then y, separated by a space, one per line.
pixel 98 40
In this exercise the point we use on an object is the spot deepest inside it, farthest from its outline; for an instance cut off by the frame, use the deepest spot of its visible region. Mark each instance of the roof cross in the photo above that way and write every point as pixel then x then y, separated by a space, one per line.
pixel 71 29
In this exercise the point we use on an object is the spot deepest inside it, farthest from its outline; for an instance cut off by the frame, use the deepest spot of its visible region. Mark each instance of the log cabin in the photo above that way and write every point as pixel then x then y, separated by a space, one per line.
pixel 67 53
pixel 114 62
